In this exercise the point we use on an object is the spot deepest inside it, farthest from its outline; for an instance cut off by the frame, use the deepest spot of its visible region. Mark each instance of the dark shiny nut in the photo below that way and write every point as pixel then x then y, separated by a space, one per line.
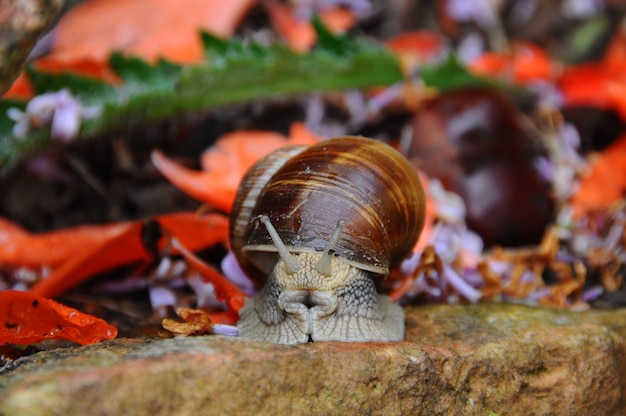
pixel 473 141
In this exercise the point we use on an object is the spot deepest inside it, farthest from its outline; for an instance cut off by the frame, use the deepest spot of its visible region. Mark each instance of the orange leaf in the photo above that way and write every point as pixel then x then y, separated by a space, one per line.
pixel 117 250
pixel 89 67
pixel 430 216
pixel 151 29
pixel 531 63
pixel 490 64
pixel 225 163
pixel 19 247
pixel 586 85
pixel 417 47
pixel 124 246
pixel 225 291
pixel 194 231
pixel 299 34
pixel 422 43
pixel 526 63
pixel 614 59
pixel 21 89
pixel 606 182
pixel 26 318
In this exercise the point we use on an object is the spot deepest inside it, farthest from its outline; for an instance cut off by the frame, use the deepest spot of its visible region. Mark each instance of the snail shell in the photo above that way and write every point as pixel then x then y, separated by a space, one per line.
pixel 314 225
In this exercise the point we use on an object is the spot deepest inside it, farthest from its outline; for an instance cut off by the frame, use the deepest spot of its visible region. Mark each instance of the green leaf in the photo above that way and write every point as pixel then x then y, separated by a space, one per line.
pixel 585 38
pixel 87 89
pixel 450 75
pixel 233 72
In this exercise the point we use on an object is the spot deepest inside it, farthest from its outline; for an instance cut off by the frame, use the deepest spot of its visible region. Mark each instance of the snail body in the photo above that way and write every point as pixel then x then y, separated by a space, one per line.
pixel 314 226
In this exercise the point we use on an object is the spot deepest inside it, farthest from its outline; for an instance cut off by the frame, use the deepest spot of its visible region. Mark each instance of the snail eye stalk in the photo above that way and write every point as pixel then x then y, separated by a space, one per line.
pixel 291 263
pixel 323 266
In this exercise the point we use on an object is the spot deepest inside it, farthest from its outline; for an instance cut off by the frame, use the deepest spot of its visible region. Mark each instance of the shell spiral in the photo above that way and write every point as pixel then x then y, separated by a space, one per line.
pixel 305 191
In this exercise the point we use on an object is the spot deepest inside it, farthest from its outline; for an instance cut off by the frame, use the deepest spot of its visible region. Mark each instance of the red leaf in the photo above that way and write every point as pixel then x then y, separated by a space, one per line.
pixel 606 181
pixel 526 63
pixel 21 248
pixel 27 318
pixel 225 163
pixel 147 28
pixel 299 34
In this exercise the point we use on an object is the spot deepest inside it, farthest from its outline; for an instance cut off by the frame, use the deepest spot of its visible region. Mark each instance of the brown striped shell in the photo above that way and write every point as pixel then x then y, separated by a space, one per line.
pixel 305 191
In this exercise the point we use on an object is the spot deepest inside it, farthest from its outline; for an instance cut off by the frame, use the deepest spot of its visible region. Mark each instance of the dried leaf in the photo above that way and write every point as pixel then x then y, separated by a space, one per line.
pixel 196 322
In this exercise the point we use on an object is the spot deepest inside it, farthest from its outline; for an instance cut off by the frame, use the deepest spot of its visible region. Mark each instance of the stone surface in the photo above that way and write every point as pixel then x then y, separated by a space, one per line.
pixel 475 360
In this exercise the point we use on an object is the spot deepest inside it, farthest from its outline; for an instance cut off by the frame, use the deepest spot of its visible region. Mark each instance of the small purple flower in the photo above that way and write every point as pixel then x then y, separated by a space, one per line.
pixel 161 297
pixel 205 293
pixel 471 47
pixel 582 9
pixel 459 284
pixel 450 206
pixel 61 110
pixel 236 275
pixel 592 293
pixel 227 330
pixel 482 12
pixel 306 9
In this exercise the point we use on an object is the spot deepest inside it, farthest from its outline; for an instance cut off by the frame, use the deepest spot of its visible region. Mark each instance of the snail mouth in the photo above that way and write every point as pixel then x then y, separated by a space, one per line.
pixel 298 300
pixel 308 306
pixel 309 301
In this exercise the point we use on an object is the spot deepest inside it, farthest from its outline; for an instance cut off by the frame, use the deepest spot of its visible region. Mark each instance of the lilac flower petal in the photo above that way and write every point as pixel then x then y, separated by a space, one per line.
pixel 46 167
pixel 20 286
pixel 66 122
pixel 471 47
pixel 236 275
pixel 547 93
pixel 614 236
pixel 540 293
pixel 20 129
pixel 41 108
pixel 205 293
pixel 356 106
pixel 460 285
pixel 409 264
pixel 227 330
pixel 385 97
pixel 305 9
pixel 499 267
pixel 473 278
pixel 581 9
pixel 450 206
pixel 163 268
pixel 592 293
pixel 130 285
pixel 26 275
pixel 161 296
pixel 527 277
pixel 472 242
pixel 91 112
pixel 565 257
pixel 545 168
pixel 15 114
pixel 483 12
pixel 179 267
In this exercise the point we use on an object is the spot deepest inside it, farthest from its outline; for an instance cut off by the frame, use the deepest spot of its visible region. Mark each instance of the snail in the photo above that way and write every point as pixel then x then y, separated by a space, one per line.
pixel 314 226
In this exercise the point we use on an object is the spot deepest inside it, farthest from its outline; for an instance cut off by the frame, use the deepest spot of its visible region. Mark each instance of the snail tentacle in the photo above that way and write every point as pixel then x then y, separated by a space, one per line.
pixel 291 263
pixel 323 266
